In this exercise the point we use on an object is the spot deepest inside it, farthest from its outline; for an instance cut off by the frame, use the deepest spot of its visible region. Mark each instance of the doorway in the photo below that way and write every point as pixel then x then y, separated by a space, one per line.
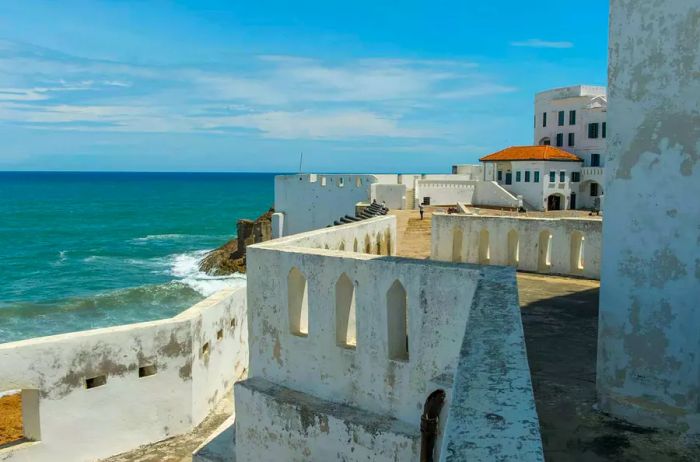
pixel 554 202
pixel 573 201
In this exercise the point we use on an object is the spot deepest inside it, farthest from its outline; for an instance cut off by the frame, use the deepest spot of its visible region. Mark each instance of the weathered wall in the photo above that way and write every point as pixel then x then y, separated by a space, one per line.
pixel 311 201
pixel 318 399
pixel 392 195
pixel 363 376
pixel 449 192
pixel 518 242
pixel 291 425
pixel 649 347
pixel 492 414
pixel 78 423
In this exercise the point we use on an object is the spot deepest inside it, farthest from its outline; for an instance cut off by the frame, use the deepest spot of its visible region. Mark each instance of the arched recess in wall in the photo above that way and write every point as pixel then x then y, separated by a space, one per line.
pixel 358 181
pixel 397 322
pixel 341 246
pixel 544 258
pixel 457 239
pixel 345 327
pixel 513 248
pixel 578 242
pixel 298 302
pixel 378 241
pixel 484 247
pixel 354 245
pixel 387 241
pixel 368 244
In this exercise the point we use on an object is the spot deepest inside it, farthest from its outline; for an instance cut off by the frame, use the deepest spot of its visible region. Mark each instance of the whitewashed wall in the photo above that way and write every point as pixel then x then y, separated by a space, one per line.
pixel 330 393
pixel 649 348
pixel 311 201
pixel 80 424
pixel 479 193
pixel 460 238
pixel 391 195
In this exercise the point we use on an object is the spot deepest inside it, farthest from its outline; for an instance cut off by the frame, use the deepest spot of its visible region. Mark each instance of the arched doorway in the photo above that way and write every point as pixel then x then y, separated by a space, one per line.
pixel 555 202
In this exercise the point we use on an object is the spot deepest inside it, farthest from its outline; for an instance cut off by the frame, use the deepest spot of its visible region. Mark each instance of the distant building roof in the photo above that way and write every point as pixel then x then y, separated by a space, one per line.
pixel 531 153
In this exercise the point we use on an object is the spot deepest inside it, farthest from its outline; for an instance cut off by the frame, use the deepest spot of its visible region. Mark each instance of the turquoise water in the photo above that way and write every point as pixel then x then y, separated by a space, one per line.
pixel 86 250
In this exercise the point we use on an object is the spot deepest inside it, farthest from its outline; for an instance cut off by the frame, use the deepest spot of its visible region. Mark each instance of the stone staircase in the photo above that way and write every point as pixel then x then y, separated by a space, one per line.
pixel 413 233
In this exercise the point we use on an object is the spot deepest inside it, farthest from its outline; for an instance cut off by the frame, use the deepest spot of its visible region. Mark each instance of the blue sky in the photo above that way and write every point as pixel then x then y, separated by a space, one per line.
pixel 246 86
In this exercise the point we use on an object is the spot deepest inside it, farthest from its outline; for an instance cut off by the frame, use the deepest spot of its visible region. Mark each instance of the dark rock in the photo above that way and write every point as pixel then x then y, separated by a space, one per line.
pixel 230 257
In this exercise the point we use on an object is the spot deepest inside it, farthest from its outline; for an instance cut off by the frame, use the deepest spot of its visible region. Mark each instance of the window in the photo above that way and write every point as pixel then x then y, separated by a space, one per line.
pixel 94 382
pixel 572 117
pixel 595 160
pixel 397 322
pixel 571 139
pixel 552 177
pixel 562 176
pixel 513 248
pixel 605 129
pixel 577 248
pixel 509 178
pixel 561 118
pixel 593 130
pixel 527 176
pixel 546 142
pixel 484 248
pixel 575 177
pixel 594 189
pixel 517 176
pixel 500 175
pixel 298 303
pixel 560 139
pixel 345 327
pixel 545 252
pixel 457 239
pixel 147 371
pixel 537 177
pixel 544 119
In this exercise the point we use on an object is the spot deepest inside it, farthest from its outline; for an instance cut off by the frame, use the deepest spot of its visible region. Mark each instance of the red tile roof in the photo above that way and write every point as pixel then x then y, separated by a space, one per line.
pixel 531 153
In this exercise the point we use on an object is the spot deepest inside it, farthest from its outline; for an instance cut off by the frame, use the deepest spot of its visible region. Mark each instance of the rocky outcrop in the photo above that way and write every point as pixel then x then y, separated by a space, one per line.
pixel 231 257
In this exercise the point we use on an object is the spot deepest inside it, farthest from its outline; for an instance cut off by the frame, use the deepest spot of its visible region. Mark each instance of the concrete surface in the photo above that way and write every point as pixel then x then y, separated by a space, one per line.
pixel 560 319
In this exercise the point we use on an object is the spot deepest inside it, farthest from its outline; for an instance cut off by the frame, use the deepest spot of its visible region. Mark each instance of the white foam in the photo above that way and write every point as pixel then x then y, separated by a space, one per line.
pixel 185 267
pixel 161 237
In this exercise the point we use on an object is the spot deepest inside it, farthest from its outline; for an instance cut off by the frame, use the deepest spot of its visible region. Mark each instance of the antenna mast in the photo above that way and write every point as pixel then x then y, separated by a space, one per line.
pixel 301 159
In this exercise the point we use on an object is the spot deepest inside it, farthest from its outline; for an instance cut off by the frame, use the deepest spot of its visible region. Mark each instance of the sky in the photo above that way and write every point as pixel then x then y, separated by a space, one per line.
pixel 361 86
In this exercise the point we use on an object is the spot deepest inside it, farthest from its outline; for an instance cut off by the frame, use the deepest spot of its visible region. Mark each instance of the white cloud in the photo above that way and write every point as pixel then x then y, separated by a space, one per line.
pixel 538 43
pixel 271 96
pixel 320 125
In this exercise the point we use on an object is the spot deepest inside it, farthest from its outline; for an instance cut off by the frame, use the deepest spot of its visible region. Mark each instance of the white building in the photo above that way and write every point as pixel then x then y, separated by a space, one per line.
pixel 547 178
pixel 574 119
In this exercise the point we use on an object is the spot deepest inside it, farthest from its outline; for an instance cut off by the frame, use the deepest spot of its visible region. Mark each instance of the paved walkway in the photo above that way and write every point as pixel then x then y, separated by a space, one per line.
pixel 560 319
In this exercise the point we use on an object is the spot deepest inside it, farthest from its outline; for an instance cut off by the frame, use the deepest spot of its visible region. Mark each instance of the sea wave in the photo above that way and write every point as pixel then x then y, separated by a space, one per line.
pixel 162 237
pixel 185 267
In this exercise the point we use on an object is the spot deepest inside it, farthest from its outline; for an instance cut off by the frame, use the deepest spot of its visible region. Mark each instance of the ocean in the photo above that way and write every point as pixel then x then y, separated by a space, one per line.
pixel 86 250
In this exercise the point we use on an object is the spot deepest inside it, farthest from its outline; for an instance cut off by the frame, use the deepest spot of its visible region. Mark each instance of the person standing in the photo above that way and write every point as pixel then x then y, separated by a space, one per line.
pixel 420 209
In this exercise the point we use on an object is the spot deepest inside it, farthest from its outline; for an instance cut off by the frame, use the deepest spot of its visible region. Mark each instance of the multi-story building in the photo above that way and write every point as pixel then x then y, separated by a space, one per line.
pixel 574 119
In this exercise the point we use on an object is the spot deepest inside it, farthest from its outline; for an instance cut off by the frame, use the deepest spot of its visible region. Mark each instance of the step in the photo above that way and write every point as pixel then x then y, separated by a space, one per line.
pixel 220 446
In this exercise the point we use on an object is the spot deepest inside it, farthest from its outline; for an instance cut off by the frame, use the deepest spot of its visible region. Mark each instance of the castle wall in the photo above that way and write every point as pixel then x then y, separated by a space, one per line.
pixel 523 243
pixel 310 201
pixel 310 394
pixel 80 423
pixel 649 347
